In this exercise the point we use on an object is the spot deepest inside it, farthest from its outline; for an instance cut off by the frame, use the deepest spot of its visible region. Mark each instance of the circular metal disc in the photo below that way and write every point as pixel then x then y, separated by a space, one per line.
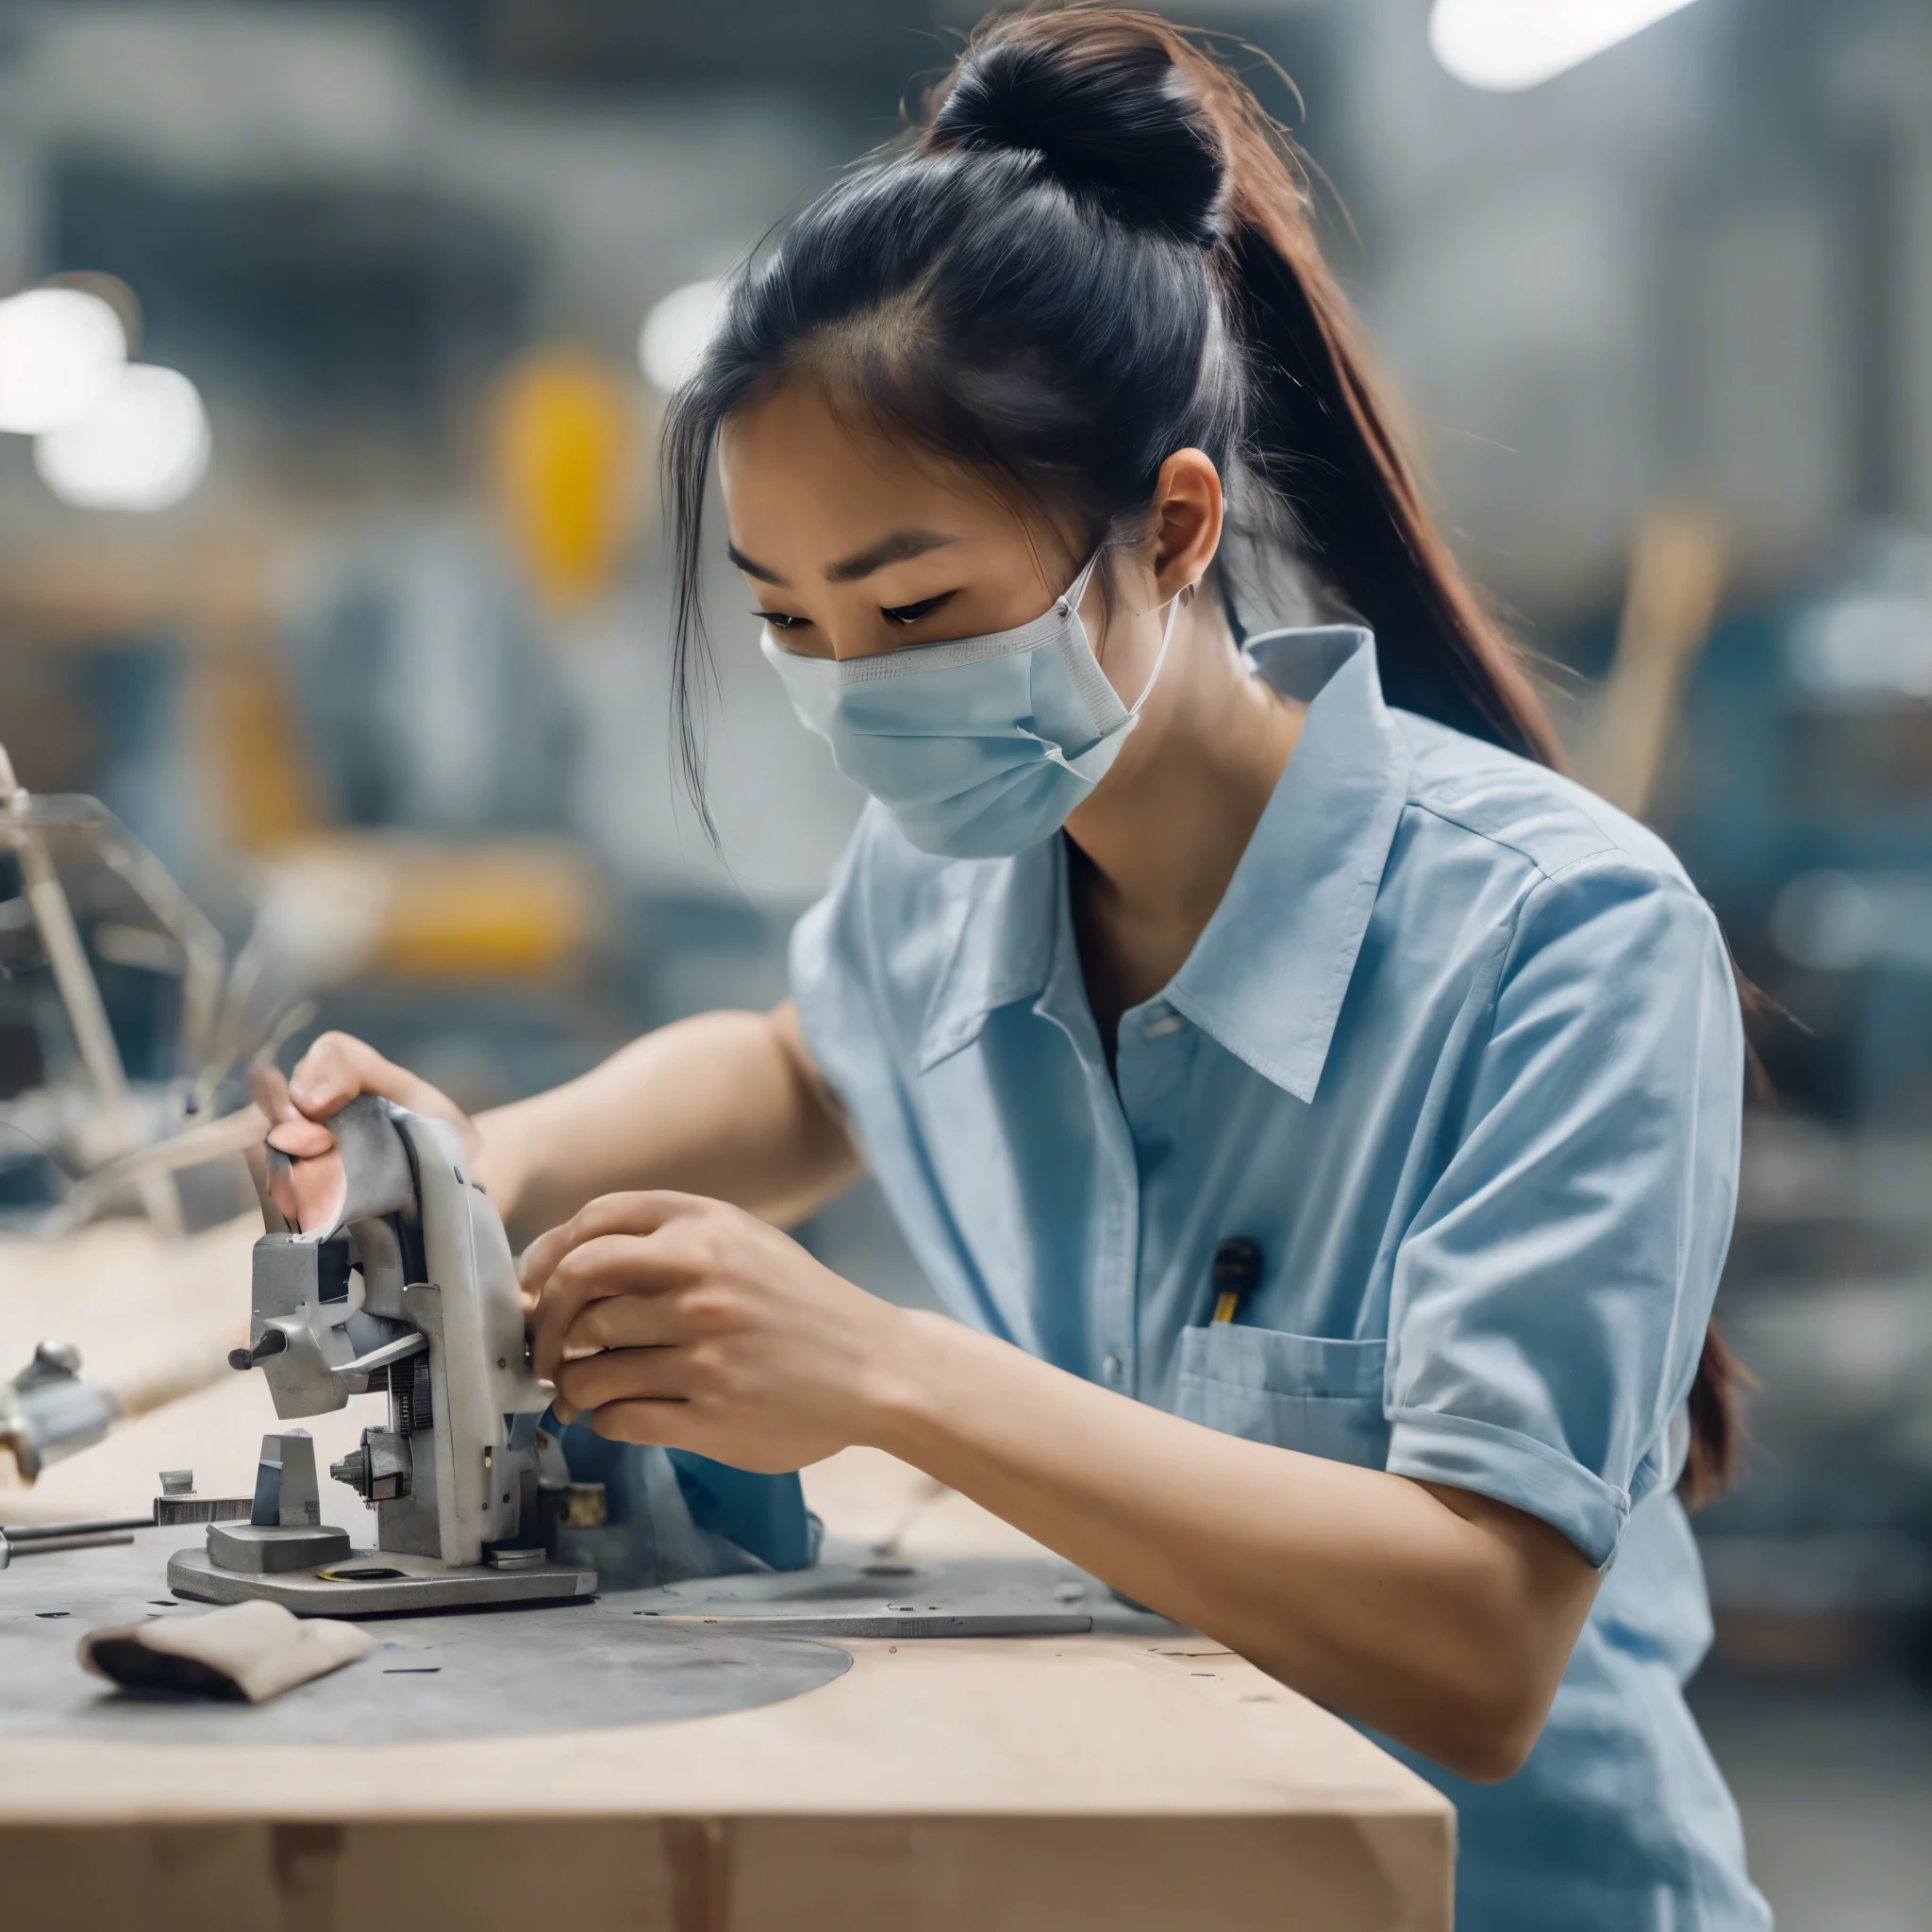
pixel 575 1667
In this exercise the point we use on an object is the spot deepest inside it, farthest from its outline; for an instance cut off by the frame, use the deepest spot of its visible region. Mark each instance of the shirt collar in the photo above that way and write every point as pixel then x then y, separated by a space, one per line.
pixel 1008 922
pixel 1268 974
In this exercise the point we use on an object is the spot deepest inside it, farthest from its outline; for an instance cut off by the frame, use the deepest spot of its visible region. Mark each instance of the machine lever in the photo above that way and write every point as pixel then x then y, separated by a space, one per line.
pixel 400 1350
pixel 273 1340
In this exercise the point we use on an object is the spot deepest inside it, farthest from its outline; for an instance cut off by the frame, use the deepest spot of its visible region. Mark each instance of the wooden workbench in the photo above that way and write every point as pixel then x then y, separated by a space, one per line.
pixel 1124 1782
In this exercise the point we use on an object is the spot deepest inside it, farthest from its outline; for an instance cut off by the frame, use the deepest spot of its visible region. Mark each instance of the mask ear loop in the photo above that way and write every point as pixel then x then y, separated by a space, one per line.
pixel 1070 597
pixel 1078 590
pixel 1184 596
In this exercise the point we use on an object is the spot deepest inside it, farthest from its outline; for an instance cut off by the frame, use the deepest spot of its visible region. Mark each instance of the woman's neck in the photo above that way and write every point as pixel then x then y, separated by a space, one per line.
pixel 1154 848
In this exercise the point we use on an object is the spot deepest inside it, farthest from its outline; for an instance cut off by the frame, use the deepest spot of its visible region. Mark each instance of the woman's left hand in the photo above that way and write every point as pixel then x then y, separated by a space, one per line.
pixel 680 1320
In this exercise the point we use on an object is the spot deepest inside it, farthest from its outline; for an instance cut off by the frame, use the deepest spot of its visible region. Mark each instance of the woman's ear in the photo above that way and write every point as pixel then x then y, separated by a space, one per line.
pixel 1188 511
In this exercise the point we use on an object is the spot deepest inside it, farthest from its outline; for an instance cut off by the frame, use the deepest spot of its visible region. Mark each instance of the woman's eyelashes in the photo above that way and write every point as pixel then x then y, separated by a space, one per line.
pixel 901 614
pixel 912 613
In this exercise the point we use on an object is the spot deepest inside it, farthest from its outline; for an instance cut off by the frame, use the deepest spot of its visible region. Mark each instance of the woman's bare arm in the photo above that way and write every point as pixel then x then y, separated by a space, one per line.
pixel 727 1103
pixel 1434 1614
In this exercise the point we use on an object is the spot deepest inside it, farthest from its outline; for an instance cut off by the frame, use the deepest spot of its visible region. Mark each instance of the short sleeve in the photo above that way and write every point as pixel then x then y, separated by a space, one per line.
pixel 1549 1299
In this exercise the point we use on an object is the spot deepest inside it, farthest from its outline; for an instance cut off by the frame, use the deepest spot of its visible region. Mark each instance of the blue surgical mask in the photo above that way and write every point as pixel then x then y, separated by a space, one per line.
pixel 978 748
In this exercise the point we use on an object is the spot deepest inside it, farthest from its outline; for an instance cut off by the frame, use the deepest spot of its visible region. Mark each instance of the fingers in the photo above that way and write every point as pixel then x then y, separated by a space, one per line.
pixel 657 1423
pixel 300 1138
pixel 633 1321
pixel 608 1214
pixel 337 1067
pixel 628 1374
pixel 606 1267
pixel 288 1131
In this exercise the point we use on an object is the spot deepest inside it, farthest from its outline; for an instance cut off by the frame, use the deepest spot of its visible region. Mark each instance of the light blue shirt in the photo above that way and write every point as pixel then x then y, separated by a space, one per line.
pixel 1460 1049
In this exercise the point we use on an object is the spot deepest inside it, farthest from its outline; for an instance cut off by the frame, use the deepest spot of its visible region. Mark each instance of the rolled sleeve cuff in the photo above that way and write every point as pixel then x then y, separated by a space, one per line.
pixel 1513 1469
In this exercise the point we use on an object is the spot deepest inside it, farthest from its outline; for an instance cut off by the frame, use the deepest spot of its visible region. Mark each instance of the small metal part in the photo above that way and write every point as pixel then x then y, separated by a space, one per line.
pixel 53 1361
pixel 411 1407
pixel 273 1342
pixel 583 1505
pixel 517 1560
pixel 402 1349
pixel 177 1503
pixel 47 1412
pixel 257 1548
pixel 175 1511
pixel 379 1471
pixel 286 1494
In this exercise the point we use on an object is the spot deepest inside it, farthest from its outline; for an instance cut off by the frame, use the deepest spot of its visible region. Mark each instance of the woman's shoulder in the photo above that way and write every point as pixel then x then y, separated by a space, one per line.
pixel 1535 822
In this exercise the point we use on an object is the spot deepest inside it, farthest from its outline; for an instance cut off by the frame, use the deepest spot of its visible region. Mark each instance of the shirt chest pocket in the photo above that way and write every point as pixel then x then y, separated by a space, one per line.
pixel 1295 1391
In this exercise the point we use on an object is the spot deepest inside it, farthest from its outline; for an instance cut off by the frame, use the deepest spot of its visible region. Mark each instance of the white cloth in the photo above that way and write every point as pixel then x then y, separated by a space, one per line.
pixel 255 1651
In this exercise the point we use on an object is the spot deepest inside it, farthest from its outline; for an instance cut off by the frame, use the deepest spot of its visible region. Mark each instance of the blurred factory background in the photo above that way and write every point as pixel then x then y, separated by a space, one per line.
pixel 329 563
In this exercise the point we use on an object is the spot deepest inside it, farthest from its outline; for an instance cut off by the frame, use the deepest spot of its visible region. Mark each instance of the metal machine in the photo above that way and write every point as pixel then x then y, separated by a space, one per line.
pixel 403 1284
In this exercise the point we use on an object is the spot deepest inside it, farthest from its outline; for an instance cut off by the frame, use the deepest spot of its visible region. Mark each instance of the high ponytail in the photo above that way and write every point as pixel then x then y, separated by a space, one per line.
pixel 1093 249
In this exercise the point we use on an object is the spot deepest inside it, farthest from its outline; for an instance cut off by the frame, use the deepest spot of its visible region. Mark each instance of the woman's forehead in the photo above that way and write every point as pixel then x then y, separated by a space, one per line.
pixel 798 437
pixel 801 476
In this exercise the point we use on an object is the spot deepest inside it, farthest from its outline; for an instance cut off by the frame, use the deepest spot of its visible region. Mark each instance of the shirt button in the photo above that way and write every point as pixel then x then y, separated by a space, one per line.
pixel 1112 1368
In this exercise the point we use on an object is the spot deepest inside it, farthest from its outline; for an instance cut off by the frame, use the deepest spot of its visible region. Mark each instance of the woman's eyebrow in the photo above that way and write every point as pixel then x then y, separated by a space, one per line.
pixel 751 569
pixel 897 548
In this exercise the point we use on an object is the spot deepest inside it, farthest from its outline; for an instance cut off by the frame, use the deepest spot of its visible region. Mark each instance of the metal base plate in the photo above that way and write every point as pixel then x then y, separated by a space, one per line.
pixel 335 1590
pixel 514 1672
pixel 871 1597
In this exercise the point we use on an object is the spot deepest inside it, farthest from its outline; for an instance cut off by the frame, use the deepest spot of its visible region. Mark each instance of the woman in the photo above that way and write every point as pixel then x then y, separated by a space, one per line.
pixel 1323 1118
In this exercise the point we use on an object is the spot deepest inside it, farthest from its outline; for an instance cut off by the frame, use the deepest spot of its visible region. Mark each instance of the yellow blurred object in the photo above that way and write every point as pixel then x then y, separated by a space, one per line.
pixel 1676 579
pixel 564 456
pixel 507 911
pixel 348 904
pixel 265 788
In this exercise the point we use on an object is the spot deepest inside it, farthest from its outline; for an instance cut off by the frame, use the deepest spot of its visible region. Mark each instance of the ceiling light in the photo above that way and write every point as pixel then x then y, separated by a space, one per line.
pixel 677 331
pixel 61 351
pixel 1504 45
pixel 143 446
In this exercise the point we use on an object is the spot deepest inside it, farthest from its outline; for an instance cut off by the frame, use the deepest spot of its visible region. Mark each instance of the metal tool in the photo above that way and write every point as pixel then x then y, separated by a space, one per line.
pixel 406 1289
pixel 49 1538
pixel 53 1546
pixel 47 1412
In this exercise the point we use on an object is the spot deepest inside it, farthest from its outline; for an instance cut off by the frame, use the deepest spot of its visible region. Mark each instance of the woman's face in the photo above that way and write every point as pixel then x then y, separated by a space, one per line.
pixel 851 546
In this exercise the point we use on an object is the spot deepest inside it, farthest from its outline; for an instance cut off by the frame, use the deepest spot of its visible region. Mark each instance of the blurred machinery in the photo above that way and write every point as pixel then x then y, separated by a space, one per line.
pixel 1801 798
pixel 89 918
pixel 1804 812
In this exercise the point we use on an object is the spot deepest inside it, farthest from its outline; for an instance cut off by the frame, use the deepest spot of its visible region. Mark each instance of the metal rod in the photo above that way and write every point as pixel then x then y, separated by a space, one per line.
pixel 54 1545
pixel 38 1532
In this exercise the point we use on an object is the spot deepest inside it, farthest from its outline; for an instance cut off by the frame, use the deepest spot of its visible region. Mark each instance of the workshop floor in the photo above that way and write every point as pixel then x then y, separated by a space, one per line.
pixel 1835 1784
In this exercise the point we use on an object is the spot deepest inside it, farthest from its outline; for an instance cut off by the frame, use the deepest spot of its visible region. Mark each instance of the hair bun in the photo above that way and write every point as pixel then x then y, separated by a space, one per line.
pixel 1105 110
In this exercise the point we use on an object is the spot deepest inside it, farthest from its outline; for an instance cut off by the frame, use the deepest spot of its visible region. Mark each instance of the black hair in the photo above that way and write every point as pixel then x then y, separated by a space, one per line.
pixel 1093 249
